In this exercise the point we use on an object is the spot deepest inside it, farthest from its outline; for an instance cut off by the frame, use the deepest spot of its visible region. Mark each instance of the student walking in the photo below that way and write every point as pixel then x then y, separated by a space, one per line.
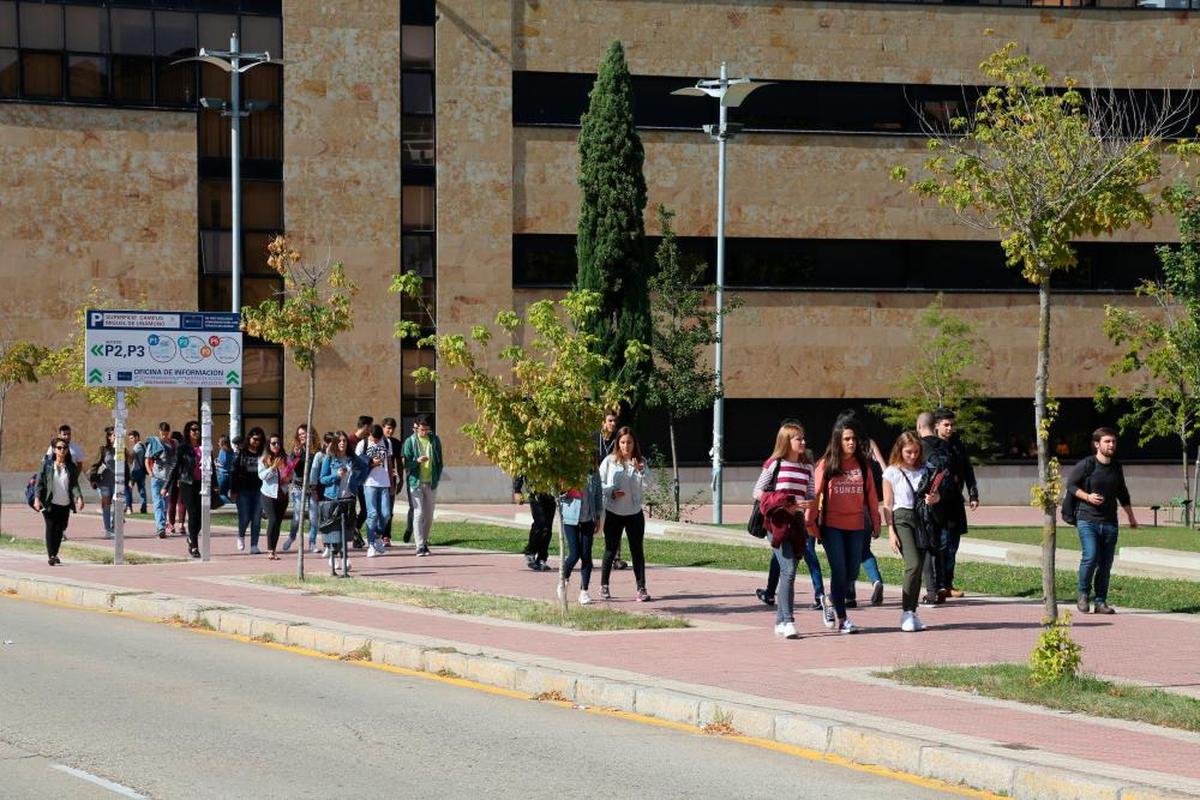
pixel 103 478
pixel 187 480
pixel 57 494
pixel 315 489
pixel 299 503
pixel 789 471
pixel 1098 483
pixel 395 473
pixel 580 508
pixel 275 473
pixel 176 505
pixel 245 488
pixel 423 461
pixel 135 463
pixel 160 460
pixel 226 455
pixel 377 488
pixel 944 450
pixel 361 432
pixel 541 529
pixel 908 483
pixel 624 477
pixel 341 473
pixel 849 512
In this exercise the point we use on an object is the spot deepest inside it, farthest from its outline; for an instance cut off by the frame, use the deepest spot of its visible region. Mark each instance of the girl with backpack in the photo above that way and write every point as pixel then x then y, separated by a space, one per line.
pixel 907 485
pixel 102 476
pixel 849 512
pixel 788 470
pixel 57 494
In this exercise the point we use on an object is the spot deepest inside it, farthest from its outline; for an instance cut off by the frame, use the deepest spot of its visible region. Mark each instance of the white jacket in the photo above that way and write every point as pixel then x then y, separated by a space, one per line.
pixel 616 475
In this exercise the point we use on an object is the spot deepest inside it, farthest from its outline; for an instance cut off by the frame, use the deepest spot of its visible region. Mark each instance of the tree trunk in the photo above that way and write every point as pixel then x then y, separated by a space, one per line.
pixel 1196 473
pixel 674 465
pixel 1041 392
pixel 304 465
pixel 1187 489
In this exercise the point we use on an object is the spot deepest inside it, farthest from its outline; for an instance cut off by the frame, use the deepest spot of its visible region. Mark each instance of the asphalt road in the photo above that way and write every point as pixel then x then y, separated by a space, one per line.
pixel 170 713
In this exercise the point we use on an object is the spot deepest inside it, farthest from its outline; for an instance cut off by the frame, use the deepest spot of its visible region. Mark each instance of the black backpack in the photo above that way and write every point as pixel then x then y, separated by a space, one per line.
pixel 757 526
pixel 1070 502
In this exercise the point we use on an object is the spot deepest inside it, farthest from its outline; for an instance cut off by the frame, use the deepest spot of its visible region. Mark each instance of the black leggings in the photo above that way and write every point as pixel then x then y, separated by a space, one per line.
pixel 191 493
pixel 634 526
pixel 56 522
pixel 275 506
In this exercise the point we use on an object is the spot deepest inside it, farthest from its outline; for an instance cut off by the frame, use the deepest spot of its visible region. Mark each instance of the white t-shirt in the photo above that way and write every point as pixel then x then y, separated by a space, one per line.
pixel 366 450
pixel 903 496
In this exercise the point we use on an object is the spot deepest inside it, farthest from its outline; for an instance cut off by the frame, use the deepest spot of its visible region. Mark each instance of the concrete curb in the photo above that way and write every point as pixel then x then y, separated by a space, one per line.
pixel 681 703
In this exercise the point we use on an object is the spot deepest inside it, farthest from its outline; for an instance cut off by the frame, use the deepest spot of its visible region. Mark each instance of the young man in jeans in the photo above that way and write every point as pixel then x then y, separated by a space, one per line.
pixel 1098 483
pixel 160 460
pixel 423 462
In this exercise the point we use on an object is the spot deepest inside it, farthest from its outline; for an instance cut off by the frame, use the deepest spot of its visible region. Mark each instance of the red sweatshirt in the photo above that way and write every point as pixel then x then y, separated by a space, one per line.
pixel 842 499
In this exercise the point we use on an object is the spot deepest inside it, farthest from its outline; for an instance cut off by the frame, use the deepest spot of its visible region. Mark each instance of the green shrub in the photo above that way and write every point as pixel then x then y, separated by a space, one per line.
pixel 1056 657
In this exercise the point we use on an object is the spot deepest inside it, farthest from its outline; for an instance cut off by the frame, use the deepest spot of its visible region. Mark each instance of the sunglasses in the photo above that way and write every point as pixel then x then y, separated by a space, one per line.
pixel 59 447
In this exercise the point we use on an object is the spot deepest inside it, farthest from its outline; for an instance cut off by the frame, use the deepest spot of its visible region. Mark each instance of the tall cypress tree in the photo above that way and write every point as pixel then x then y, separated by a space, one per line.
pixel 610 245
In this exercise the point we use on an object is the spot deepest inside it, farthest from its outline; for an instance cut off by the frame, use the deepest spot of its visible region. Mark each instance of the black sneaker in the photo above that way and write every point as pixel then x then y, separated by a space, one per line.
pixel 541 566
pixel 422 551
pixel 761 594
pixel 818 603
pixel 408 536
pixel 194 552
pixel 530 561
pixel 877 594
pixel 851 603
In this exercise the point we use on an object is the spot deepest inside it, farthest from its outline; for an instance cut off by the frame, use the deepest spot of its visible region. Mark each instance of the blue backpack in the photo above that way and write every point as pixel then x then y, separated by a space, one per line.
pixel 31 487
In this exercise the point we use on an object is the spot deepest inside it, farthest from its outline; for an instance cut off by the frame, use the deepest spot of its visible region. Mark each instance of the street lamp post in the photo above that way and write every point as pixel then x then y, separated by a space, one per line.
pixel 730 93
pixel 234 62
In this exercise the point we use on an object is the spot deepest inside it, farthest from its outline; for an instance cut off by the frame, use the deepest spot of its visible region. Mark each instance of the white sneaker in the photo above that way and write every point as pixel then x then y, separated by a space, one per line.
pixel 789 631
pixel 827 614
pixel 254 551
pixel 907 623
pixel 848 626
pixel 917 624
pixel 372 552
pixel 314 549
pixel 241 543
pixel 779 629
pixel 584 597
pixel 324 552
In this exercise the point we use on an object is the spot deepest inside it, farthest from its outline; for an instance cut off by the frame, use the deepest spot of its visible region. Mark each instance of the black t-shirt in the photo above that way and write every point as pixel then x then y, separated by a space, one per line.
pixel 1107 480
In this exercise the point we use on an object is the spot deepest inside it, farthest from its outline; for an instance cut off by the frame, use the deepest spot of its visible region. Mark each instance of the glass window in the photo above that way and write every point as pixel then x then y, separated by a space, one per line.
pixel 262 136
pixel 215 30
pixel 262 205
pixel 416 208
pixel 41 26
pixel 414 358
pixel 416 253
pixel 8 23
pixel 254 253
pixel 132 32
pixel 215 293
pixel 215 204
pixel 87 76
pixel 262 35
pixel 175 33
pixel 416 141
pixel 132 78
pixel 216 254
pixel 261 83
pixel 412 311
pixel 214 134
pixel 214 82
pixel 87 29
pixel 176 83
pixel 42 73
pixel 416 46
pixel 416 93
pixel 9 74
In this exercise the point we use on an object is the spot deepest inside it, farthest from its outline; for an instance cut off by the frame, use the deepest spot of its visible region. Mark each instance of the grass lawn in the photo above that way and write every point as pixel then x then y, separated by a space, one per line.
pixel 1083 694
pixel 1068 539
pixel 995 579
pixel 520 609
pixel 80 552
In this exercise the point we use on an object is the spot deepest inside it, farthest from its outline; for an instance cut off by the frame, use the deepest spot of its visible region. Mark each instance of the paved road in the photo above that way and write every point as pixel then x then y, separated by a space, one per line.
pixel 170 713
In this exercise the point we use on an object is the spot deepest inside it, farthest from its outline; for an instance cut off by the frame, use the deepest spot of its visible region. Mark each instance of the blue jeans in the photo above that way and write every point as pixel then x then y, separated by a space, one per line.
pixel 810 561
pixel 140 482
pixel 950 540
pixel 249 507
pixel 160 503
pixel 785 556
pixel 1098 541
pixel 379 510
pixel 296 500
pixel 106 511
pixel 579 550
pixel 844 550
pixel 869 564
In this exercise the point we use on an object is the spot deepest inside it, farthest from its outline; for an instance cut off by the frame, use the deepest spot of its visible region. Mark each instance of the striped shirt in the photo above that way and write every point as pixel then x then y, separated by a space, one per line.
pixel 794 478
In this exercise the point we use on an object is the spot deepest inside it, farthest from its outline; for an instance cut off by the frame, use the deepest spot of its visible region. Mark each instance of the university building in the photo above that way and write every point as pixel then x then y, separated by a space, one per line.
pixel 441 136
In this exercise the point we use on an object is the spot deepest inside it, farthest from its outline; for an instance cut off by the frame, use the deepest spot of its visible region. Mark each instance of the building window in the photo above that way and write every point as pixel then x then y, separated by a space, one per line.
pixel 416 139
pixel 87 77
pixel 416 210
pixel 41 26
pixel 416 92
pixel 10 73
pixel 416 46
pixel 132 32
pixel 87 29
pixel 416 254
pixel 8 23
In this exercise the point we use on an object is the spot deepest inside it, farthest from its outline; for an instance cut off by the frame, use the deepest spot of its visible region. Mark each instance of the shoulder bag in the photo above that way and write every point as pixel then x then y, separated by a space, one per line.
pixel 757 526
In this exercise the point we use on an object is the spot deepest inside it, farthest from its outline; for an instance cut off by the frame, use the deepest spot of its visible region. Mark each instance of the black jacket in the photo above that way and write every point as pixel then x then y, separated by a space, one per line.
pixel 951 456
pixel 185 469
pixel 243 475
pixel 45 483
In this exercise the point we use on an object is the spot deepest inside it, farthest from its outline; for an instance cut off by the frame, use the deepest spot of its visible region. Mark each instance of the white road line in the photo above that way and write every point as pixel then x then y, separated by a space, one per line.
pixel 124 791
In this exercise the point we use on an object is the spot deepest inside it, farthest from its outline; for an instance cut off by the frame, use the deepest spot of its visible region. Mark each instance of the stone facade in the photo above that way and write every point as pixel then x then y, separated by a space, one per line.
pixel 342 193
pixel 90 197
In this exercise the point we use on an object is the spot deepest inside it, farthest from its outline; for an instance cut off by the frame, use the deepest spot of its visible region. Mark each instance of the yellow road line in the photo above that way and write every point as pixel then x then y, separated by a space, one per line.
pixel 752 741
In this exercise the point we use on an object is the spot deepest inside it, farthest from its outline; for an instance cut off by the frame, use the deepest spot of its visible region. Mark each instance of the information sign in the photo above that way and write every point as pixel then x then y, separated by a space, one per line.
pixel 191 349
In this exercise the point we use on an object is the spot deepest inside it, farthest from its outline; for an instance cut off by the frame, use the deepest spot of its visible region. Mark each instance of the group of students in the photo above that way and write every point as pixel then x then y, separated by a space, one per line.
pixel 842 502
pixel 261 474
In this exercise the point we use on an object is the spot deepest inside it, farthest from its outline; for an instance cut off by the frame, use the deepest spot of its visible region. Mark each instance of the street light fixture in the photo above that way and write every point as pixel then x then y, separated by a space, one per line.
pixel 235 62
pixel 731 94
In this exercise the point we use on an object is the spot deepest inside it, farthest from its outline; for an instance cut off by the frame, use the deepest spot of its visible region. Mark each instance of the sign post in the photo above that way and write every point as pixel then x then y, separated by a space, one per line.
pixel 118 498
pixel 182 349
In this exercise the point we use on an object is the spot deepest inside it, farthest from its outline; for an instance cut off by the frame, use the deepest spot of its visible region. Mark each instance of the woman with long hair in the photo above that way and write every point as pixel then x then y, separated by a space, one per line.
pixel 275 472
pixel 57 495
pixel 315 489
pixel 185 482
pixel 102 476
pixel 341 474
pixel 905 481
pixel 300 504
pixel 624 478
pixel 788 470
pixel 245 488
pixel 849 511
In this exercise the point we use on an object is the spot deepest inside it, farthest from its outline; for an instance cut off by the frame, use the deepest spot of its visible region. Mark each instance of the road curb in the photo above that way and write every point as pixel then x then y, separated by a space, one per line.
pixel 1012 777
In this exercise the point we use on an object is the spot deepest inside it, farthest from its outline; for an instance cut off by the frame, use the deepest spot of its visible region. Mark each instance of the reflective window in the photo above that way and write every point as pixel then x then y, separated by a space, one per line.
pixel 132 32
pixel 416 46
pixel 176 82
pixel 215 30
pixel 87 29
pixel 262 205
pixel 42 74
pixel 215 204
pixel 416 211
pixel 41 26
pixel 416 253
pixel 174 34
pixel 87 77
pixel 416 93
pixel 133 78
pixel 262 35
pixel 8 23
pixel 416 141
pixel 10 85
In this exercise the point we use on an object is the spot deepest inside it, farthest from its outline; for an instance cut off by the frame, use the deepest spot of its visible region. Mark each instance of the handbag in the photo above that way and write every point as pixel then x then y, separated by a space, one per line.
pixel 926 525
pixel 756 526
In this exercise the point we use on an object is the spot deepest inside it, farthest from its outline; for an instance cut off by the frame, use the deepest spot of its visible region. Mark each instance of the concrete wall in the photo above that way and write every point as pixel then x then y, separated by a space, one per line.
pixel 90 197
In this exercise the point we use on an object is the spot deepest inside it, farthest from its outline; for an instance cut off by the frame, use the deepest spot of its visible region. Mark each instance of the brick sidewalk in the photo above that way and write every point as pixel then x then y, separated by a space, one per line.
pixel 732 648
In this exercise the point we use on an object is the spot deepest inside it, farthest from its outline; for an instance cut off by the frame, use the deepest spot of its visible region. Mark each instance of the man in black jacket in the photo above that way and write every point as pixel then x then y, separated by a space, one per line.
pixel 542 506
pixel 1099 484
pixel 944 450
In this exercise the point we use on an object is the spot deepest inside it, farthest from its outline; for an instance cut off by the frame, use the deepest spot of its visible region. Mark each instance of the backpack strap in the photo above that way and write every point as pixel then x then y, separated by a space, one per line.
pixel 775 473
